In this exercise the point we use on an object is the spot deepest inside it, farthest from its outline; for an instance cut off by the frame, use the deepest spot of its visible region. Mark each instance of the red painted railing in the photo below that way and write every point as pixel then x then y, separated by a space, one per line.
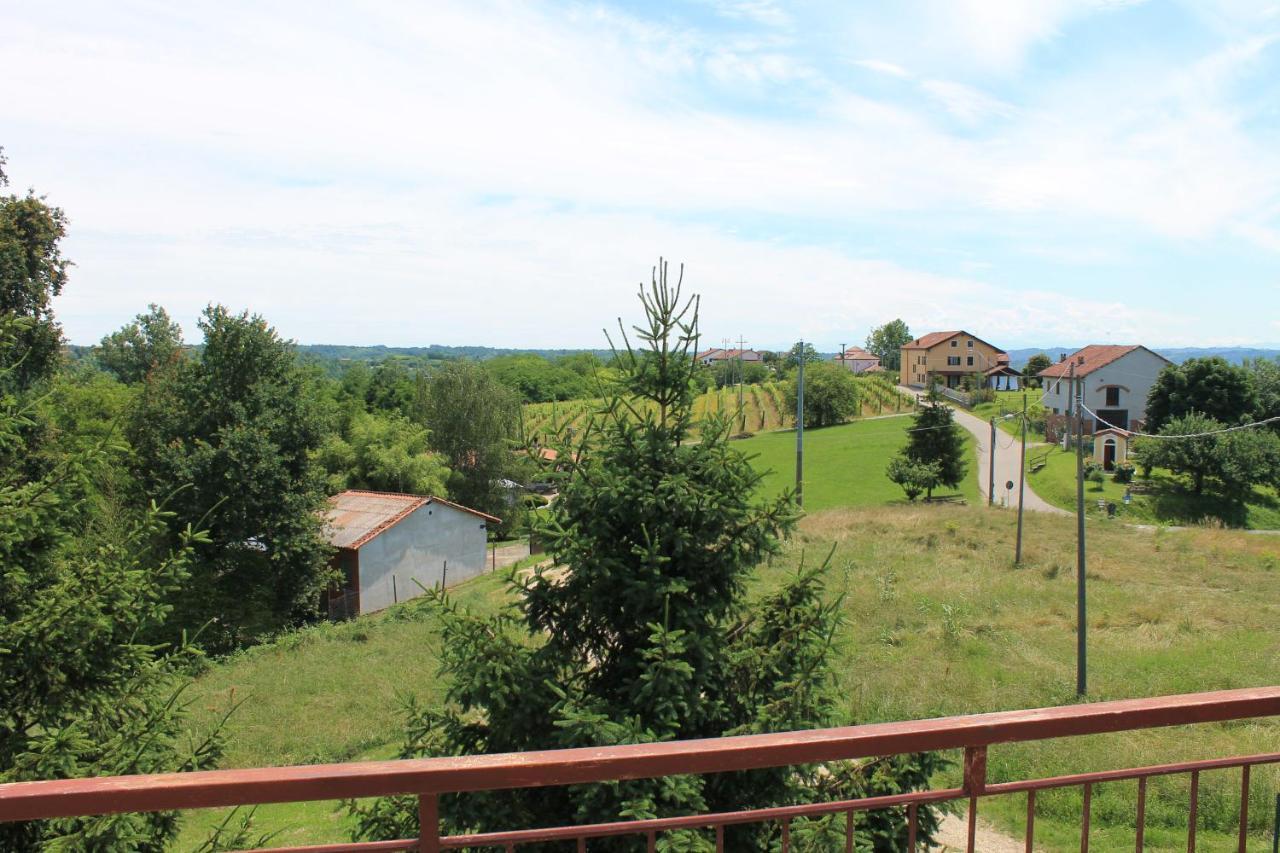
pixel 429 778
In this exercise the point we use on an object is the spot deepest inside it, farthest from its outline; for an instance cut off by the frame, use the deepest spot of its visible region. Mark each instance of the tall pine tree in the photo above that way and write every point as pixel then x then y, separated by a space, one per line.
pixel 643 631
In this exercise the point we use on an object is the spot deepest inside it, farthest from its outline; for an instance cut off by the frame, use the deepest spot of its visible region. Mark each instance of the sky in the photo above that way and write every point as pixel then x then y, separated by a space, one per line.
pixel 1037 172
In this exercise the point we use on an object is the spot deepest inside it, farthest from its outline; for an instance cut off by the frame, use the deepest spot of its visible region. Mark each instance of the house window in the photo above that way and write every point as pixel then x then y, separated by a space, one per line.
pixel 971 361
pixel 969 344
pixel 954 343
pixel 1113 396
pixel 953 361
pixel 1055 410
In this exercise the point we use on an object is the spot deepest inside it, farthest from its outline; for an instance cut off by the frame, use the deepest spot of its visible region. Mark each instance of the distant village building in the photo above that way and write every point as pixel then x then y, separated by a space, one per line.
pixel 712 357
pixel 1114 381
pixel 858 360
pixel 951 356
pixel 390 543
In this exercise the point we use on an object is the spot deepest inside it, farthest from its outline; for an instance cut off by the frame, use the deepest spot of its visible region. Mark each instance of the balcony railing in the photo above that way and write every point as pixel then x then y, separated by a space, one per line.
pixel 430 778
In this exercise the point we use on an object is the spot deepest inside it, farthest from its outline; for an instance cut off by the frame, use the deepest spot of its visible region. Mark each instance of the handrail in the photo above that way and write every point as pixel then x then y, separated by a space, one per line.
pixel 214 788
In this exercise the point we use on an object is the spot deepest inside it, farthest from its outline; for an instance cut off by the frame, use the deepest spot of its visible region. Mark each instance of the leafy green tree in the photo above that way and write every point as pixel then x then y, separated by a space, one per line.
pixel 474 421
pixel 1035 364
pixel 537 379
pixel 915 478
pixel 148 341
pixel 645 633
pixel 1264 374
pixel 1211 387
pixel 886 342
pixel 1250 457
pixel 32 273
pixel 830 394
pixel 230 438
pixel 731 371
pixel 1199 458
pixel 791 358
pixel 384 452
pixel 936 440
pixel 79 694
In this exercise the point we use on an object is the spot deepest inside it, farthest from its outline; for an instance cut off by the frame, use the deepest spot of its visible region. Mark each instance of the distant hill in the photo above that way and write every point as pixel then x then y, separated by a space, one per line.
pixel 434 352
pixel 1235 355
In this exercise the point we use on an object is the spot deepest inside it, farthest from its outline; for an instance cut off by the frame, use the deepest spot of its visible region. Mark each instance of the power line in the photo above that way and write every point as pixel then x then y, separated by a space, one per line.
pixel 1236 428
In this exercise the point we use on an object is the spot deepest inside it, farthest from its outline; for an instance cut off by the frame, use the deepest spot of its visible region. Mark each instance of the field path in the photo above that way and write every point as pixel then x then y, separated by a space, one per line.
pixel 953 835
pixel 1008 461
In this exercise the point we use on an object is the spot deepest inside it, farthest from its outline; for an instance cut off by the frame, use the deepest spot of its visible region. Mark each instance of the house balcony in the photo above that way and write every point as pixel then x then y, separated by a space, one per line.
pixel 429 779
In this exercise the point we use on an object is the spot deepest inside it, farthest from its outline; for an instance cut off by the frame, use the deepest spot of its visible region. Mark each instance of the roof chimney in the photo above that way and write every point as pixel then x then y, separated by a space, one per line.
pixel 1079 359
pixel 1062 356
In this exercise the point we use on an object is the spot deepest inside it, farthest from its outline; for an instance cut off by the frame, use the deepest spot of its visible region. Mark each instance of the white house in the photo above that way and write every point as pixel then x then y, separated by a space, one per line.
pixel 390 543
pixel 1114 381
pixel 858 360
pixel 712 357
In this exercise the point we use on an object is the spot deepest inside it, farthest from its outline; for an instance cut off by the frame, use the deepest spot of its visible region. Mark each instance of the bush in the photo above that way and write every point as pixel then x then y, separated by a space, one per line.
pixel 1124 473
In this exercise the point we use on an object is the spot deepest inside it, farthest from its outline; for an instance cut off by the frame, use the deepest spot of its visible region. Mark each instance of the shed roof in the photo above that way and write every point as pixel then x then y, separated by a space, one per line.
pixel 1093 357
pixel 354 516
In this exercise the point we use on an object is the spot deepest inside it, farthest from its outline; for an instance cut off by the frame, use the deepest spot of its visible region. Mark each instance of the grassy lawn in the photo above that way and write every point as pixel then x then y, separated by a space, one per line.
pixel 844 465
pixel 1010 402
pixel 937 622
pixel 1164 498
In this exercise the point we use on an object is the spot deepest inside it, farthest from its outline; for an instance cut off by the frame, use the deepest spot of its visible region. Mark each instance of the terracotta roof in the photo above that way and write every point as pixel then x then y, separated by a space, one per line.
pixel 727 353
pixel 859 354
pixel 354 517
pixel 1091 358
pixel 932 339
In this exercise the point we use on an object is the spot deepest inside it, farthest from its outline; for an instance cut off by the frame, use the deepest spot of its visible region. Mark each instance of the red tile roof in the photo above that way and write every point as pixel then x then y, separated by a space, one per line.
pixel 354 516
pixel 859 354
pixel 932 339
pixel 1091 358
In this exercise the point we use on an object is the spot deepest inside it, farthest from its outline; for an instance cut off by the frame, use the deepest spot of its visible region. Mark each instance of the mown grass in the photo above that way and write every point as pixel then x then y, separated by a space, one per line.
pixel 844 465
pixel 937 622
pixel 1010 403
pixel 1163 498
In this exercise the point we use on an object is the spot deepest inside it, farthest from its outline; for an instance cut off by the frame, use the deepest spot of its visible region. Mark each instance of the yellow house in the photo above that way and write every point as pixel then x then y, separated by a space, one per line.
pixel 950 356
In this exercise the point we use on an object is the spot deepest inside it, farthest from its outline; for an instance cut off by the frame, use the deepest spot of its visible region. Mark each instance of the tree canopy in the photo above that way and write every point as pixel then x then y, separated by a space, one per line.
pixel 1211 387
pixel 886 342
pixel 830 394
pixel 148 341
pixel 229 440
pixel 935 440
pixel 1035 364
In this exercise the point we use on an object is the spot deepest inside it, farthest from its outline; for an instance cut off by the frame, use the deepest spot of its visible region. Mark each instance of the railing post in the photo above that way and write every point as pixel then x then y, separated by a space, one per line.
pixel 428 823
pixel 975 782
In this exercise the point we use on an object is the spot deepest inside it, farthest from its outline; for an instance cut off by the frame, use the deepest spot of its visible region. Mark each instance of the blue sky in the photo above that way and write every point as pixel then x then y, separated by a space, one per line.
pixel 1039 172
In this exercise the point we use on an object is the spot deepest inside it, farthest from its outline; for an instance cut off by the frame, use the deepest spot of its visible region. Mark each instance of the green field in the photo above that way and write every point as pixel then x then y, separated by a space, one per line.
pixel 844 465
pixel 937 621
pixel 1010 402
pixel 1164 498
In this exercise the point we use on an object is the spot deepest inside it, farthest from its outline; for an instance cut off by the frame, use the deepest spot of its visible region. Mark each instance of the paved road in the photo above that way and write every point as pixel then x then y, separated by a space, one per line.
pixel 1008 461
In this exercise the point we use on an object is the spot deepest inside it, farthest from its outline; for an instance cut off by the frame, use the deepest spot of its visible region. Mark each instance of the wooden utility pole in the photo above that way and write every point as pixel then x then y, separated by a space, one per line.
pixel 991 467
pixel 742 412
pixel 1022 482
pixel 1081 614
pixel 800 429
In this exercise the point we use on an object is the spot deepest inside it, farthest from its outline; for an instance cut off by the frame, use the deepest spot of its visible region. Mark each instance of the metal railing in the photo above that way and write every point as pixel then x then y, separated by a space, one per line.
pixel 429 778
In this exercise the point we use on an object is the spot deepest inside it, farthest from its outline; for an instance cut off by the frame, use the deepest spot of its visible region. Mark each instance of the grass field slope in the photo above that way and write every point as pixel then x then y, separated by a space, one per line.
pixel 937 621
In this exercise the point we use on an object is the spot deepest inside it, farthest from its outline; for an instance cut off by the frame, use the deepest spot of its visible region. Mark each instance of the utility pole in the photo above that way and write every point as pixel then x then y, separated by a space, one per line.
pixel 742 412
pixel 991 467
pixel 800 430
pixel 1081 616
pixel 1022 482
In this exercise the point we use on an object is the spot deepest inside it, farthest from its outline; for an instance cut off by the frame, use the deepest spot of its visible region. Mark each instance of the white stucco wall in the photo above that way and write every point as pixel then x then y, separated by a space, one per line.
pixel 1135 373
pixel 417 548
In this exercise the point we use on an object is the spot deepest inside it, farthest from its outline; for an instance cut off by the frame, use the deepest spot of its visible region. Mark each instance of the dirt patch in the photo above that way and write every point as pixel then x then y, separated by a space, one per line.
pixel 953 835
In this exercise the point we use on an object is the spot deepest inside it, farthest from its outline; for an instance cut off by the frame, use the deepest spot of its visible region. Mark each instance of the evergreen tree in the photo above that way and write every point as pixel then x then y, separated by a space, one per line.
pixel 643 631
pixel 936 440
pixel 231 437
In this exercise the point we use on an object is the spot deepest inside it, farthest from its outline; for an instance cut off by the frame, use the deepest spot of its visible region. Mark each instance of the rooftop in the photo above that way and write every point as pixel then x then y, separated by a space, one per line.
pixel 354 517
pixel 1090 359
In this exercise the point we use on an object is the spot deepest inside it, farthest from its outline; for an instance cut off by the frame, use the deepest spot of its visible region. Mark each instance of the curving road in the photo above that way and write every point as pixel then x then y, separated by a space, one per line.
pixel 1008 461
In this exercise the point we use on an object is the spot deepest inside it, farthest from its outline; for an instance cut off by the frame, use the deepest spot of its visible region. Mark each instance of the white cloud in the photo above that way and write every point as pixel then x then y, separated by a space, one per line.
pixel 882 67
pixel 966 103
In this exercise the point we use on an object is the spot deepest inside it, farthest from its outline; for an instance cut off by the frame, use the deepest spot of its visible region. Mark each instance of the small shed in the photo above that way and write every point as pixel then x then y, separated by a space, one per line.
pixel 389 544
pixel 1110 447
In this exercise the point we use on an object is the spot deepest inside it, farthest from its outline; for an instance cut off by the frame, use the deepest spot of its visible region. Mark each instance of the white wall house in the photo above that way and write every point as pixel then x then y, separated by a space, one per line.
pixel 858 360
pixel 389 543
pixel 712 357
pixel 1114 382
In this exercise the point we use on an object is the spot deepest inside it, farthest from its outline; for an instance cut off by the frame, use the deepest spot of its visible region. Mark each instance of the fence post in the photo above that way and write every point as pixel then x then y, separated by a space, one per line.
pixel 428 823
pixel 444 576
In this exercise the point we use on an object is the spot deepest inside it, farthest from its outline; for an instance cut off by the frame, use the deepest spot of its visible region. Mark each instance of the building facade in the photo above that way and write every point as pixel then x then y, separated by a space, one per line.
pixel 1113 381
pixel 392 546
pixel 858 360
pixel 948 357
